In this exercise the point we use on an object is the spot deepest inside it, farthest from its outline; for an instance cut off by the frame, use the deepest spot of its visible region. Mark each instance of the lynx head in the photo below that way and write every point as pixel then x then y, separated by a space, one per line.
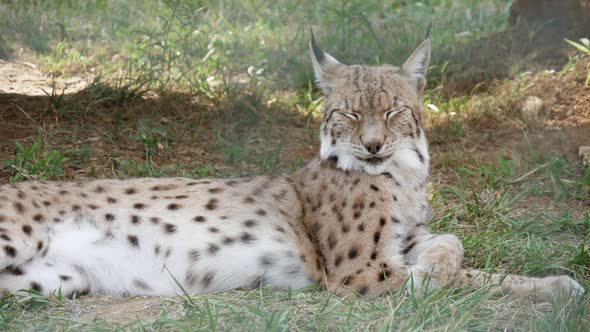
pixel 372 117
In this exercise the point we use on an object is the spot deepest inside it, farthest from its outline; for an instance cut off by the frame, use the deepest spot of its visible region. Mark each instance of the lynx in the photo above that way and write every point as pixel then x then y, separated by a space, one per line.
pixel 354 219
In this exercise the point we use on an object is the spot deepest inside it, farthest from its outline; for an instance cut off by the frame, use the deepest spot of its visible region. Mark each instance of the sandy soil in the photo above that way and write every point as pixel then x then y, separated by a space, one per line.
pixel 24 78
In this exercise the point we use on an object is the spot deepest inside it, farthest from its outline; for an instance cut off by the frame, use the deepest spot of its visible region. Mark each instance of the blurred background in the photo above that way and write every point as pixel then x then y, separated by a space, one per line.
pixel 112 88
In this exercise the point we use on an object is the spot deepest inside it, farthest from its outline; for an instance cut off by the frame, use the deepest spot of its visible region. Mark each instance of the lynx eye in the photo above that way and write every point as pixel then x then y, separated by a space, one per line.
pixel 391 114
pixel 352 116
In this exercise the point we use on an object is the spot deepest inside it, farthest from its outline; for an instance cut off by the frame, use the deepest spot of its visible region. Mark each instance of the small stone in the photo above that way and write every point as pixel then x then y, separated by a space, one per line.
pixel 532 110
pixel 584 153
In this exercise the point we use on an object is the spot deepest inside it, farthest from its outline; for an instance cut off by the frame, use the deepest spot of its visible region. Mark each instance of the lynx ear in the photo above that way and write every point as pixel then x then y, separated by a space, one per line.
pixel 416 66
pixel 325 66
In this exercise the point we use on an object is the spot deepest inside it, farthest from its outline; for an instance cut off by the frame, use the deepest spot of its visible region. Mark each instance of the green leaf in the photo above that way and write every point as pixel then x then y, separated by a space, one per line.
pixel 578 46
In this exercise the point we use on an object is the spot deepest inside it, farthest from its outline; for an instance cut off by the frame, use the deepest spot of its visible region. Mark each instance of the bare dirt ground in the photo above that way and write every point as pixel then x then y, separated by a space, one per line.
pixel 24 78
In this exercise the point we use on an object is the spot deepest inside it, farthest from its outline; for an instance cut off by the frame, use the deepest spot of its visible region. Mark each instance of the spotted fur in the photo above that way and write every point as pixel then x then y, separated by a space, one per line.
pixel 354 219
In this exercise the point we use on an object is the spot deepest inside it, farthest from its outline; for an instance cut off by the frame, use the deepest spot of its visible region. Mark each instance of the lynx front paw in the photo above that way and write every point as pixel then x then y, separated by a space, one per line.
pixel 420 281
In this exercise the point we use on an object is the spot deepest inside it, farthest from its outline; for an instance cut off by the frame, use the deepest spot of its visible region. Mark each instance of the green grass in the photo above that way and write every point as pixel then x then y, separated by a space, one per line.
pixel 192 44
pixel 268 309
pixel 224 88
pixel 31 162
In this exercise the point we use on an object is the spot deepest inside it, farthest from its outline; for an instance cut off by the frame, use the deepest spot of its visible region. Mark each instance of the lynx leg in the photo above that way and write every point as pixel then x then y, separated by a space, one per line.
pixel 435 260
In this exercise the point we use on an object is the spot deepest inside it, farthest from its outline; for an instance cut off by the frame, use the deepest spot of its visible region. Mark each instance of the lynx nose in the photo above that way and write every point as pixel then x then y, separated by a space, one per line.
pixel 373 147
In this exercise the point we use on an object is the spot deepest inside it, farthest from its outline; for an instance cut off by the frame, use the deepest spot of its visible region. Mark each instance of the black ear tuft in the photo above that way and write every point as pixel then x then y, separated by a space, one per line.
pixel 427 34
pixel 325 66
pixel 317 52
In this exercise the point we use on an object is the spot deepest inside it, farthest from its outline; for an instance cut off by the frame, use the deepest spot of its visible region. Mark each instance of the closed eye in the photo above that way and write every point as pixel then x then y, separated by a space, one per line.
pixel 391 114
pixel 352 116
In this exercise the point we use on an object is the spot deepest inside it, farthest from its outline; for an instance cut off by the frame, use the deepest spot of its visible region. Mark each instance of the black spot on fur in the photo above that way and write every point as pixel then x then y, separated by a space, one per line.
pixel 409 248
pixel 141 284
pixel 247 237
pixel 250 223
pixel 109 217
pixel 139 206
pixel 207 279
pixel 14 270
pixel 135 219
pixel 394 220
pixel 213 248
pixel 261 212
pixel 19 207
pixel 130 191
pixel 363 290
pixel 376 237
pixel 36 287
pixel 347 280
pixel 27 229
pixel 169 228
pixel 133 241
pixel 332 242
pixel 10 251
pixel 353 253
pixel 174 206
pixel 420 156
pixel 374 187
pixel 338 260
pixel 191 278
pixel 266 260
pixel 194 254
pixel 64 277
pixel 213 229
pixel 39 218
pixel 200 219
pixel 212 204
pixel 5 237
